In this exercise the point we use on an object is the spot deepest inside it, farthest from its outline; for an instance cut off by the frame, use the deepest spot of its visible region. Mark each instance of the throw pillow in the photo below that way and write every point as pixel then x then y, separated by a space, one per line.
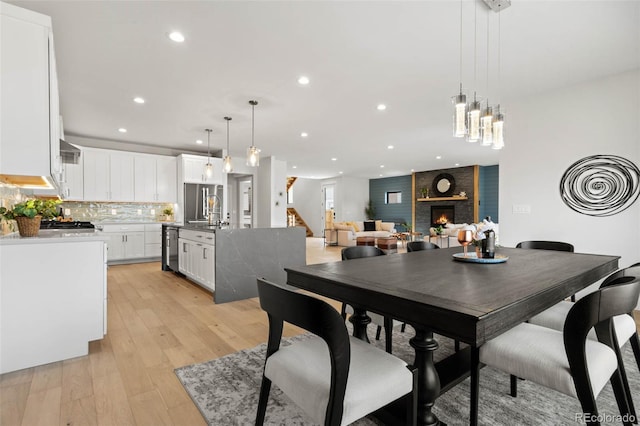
pixel 369 225
pixel 387 226
pixel 354 225
pixel 378 225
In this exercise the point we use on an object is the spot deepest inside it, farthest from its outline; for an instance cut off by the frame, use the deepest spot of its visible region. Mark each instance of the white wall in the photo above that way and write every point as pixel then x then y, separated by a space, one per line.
pixel 272 181
pixel 351 197
pixel 548 133
pixel 307 195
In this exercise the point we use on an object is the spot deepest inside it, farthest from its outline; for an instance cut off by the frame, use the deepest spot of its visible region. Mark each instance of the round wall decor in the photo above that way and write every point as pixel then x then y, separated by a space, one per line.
pixel 600 185
pixel 443 185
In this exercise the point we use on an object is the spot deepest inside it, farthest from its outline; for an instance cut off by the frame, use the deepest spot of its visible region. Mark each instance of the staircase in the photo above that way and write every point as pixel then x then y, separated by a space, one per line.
pixel 294 219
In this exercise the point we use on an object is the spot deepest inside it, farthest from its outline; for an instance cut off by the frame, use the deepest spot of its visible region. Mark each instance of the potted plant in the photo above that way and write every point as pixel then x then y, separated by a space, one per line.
pixel 370 210
pixel 28 214
pixel 167 214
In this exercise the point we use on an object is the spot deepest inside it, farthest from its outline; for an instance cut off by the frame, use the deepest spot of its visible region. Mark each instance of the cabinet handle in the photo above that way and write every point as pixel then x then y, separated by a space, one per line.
pixel 199 236
pixel 204 253
pixel 184 247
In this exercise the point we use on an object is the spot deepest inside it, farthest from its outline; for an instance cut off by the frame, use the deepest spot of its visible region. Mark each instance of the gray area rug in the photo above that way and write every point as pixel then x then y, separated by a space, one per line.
pixel 226 389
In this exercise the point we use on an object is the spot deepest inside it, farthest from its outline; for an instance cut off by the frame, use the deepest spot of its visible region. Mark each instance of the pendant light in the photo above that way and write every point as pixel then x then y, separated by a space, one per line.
pixel 486 121
pixel 208 168
pixel 460 100
pixel 498 121
pixel 226 164
pixel 253 153
pixel 473 116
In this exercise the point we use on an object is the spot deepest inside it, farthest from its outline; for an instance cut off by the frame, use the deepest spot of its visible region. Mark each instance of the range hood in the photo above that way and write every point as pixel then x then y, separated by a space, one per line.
pixel 69 153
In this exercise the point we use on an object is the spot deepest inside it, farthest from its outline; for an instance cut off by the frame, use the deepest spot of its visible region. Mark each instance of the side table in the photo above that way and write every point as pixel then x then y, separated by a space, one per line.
pixel 330 236
pixel 439 240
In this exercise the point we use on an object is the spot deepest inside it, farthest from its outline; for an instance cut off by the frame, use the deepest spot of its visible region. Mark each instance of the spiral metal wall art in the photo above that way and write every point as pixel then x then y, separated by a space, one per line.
pixel 600 185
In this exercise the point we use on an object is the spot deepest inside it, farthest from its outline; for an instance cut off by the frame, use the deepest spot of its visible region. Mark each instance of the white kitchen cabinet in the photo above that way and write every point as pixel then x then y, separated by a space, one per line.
pixel 53 301
pixel 153 240
pixel 29 135
pixel 108 175
pixel 125 242
pixel 155 178
pixel 72 186
pixel 192 168
pixel 196 256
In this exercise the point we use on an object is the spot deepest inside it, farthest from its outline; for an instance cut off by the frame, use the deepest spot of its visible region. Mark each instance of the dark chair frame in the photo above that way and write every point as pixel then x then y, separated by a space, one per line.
pixel 594 310
pixel 320 318
pixel 420 245
pixel 359 252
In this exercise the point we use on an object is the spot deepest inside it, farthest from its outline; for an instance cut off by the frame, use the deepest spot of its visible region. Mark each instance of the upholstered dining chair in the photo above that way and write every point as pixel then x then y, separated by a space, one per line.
pixel 358 252
pixel 546 245
pixel 328 375
pixel 624 325
pixel 421 245
pixel 567 361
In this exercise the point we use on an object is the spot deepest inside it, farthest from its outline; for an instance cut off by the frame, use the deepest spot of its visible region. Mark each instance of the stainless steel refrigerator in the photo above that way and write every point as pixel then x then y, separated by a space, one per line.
pixel 197 206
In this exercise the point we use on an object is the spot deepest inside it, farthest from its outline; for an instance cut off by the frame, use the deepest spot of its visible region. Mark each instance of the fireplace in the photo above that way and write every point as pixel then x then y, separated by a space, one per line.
pixel 441 215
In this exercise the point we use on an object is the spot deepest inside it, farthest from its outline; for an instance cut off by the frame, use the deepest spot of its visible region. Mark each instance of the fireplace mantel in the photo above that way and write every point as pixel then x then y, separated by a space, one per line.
pixel 443 199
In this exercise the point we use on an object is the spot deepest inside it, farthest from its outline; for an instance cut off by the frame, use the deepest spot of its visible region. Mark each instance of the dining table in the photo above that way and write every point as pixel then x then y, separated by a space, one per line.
pixel 436 291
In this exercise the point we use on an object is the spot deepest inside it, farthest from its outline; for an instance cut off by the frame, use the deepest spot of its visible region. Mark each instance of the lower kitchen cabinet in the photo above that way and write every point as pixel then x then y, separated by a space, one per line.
pixel 125 241
pixel 196 257
pixel 153 240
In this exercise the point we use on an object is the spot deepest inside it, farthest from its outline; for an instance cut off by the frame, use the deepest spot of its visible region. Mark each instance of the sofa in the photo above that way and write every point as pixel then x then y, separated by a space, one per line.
pixel 349 231
pixel 451 231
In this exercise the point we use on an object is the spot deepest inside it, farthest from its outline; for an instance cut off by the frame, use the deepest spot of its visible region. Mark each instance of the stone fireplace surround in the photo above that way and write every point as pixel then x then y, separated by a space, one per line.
pixel 464 209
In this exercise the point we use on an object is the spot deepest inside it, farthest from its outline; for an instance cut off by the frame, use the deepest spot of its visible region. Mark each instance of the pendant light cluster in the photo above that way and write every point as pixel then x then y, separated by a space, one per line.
pixel 470 121
pixel 253 153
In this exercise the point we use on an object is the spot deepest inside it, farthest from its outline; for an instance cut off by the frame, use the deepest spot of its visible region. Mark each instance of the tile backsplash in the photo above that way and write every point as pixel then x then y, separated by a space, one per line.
pixel 110 212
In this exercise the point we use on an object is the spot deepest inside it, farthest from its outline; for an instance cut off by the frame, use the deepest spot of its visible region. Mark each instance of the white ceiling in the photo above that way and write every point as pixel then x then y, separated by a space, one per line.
pixel 357 54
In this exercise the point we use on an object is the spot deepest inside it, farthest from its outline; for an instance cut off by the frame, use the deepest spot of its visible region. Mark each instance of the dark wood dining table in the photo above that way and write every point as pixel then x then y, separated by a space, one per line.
pixel 470 302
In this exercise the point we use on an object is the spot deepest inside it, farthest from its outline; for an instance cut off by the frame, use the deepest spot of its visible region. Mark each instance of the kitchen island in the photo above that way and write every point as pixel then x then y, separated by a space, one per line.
pixel 227 261
pixel 53 297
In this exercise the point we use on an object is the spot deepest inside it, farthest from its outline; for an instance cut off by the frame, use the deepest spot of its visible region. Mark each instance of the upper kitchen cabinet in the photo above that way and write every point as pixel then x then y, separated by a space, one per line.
pixel 191 169
pixel 29 99
pixel 108 175
pixel 155 178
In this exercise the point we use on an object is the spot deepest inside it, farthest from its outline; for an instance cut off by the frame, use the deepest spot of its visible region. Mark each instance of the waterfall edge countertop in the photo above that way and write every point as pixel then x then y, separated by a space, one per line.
pixel 54 236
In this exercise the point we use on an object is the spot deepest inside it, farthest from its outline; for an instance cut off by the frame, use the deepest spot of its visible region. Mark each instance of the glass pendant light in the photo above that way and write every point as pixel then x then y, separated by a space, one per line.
pixel 227 167
pixel 473 119
pixel 498 126
pixel 460 100
pixel 486 123
pixel 208 168
pixel 253 153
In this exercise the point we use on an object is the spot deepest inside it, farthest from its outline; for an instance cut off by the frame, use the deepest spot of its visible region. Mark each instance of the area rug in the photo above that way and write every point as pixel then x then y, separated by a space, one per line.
pixel 226 389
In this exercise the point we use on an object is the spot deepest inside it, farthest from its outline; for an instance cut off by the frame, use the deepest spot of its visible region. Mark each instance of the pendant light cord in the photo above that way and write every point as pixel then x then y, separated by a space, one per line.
pixel 487 76
pixel 460 46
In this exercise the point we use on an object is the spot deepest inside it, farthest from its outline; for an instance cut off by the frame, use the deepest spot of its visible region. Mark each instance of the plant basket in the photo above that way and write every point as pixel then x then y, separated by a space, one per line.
pixel 28 227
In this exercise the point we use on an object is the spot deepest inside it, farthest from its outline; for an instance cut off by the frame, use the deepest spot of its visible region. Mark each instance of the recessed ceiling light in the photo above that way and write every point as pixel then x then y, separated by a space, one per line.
pixel 380 174
pixel 412 170
pixel 122 130
pixel 294 167
pixel 304 80
pixel 457 164
pixel 340 172
pixel 438 157
pixel 199 141
pixel 138 100
pixel 334 159
pixel 381 107
pixel 390 147
pixel 304 134
pixel 382 166
pixel 176 36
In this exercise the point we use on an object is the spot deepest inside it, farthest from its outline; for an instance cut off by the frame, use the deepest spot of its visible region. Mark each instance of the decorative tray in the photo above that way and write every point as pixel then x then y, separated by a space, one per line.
pixel 472 258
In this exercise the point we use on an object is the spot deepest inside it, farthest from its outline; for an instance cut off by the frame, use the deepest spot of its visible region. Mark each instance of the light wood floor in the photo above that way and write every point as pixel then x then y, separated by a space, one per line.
pixel 157 321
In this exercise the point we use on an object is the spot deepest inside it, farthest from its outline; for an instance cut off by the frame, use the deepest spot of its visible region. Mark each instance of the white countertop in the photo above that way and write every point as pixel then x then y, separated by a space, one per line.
pixel 48 236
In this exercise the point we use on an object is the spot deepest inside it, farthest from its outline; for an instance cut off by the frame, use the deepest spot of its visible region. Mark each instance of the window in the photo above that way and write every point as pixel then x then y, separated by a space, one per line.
pixel 393 197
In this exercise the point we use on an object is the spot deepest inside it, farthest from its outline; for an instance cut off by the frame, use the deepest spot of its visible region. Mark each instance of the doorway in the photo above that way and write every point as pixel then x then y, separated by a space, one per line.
pixel 241 212
pixel 328 204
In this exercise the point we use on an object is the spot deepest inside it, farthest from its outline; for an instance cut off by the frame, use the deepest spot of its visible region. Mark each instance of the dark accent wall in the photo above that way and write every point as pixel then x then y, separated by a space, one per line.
pixel 464 208
pixel 489 190
pixel 399 213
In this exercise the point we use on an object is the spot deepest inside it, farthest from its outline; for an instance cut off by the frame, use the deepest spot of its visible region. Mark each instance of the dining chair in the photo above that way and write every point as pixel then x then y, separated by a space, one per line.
pixel 421 245
pixel 567 361
pixel 328 375
pixel 358 252
pixel 624 325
